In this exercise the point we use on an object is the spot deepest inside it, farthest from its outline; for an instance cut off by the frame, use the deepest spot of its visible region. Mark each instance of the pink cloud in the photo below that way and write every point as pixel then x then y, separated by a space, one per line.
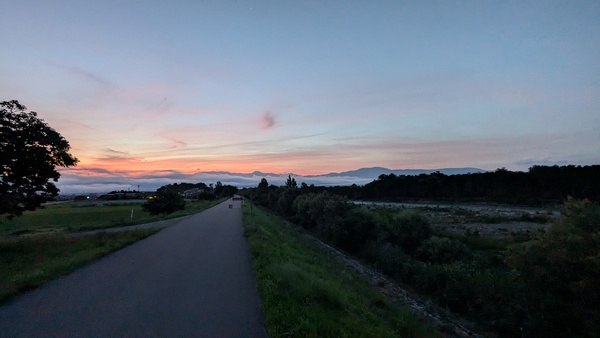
pixel 175 144
pixel 268 120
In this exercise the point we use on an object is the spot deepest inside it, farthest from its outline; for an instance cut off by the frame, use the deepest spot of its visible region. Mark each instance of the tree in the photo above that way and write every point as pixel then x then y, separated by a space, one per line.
pixel 225 190
pixel 353 230
pixel 285 200
pixel 218 188
pixel 263 186
pixel 561 273
pixel 291 182
pixel 30 151
pixel 408 229
pixel 165 202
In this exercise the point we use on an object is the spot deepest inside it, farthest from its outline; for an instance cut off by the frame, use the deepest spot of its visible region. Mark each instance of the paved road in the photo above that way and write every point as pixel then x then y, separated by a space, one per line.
pixel 193 279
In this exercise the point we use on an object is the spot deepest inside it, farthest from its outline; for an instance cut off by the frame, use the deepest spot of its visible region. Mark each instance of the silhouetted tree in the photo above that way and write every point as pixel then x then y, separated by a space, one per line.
pixel 263 186
pixel 165 202
pixel 291 182
pixel 225 190
pixel 30 151
pixel 218 188
pixel 541 185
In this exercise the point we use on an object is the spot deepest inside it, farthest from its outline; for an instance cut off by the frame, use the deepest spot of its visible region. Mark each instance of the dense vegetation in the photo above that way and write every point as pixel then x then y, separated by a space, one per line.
pixel 164 202
pixel 306 294
pixel 544 285
pixel 201 190
pixel 540 185
pixel 170 198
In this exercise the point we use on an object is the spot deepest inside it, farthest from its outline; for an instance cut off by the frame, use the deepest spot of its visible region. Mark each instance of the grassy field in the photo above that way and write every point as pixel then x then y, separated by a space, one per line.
pixel 73 217
pixel 307 294
pixel 28 262
pixel 36 247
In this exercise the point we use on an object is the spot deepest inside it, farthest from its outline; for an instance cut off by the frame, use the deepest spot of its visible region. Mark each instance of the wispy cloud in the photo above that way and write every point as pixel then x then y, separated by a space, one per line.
pixel 113 157
pixel 87 75
pixel 268 120
pixel 175 144
pixel 121 153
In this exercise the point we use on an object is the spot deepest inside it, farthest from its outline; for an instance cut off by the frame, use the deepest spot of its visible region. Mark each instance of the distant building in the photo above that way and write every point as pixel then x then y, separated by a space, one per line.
pixel 129 195
pixel 193 193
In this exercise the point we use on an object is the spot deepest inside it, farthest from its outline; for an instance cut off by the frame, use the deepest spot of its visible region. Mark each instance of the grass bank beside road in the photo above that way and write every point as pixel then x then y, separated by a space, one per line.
pixel 306 293
pixel 28 262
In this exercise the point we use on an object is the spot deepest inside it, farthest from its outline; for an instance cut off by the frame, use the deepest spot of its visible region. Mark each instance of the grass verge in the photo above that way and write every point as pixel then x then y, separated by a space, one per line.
pixel 74 217
pixel 305 293
pixel 28 262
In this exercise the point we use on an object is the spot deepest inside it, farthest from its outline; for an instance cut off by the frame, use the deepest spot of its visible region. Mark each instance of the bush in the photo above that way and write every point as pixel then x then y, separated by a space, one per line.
pixel 285 201
pixel 352 231
pixel 561 273
pixel 165 202
pixel 387 257
pixel 442 250
pixel 321 209
pixel 408 229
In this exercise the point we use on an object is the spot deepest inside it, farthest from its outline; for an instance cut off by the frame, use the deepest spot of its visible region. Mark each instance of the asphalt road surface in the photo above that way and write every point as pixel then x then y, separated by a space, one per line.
pixel 192 279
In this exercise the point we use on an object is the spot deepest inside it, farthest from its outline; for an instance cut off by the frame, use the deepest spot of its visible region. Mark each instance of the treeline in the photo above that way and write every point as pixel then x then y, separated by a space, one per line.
pixel 540 185
pixel 200 190
pixel 119 195
pixel 536 287
pixel 172 197
pixel 182 187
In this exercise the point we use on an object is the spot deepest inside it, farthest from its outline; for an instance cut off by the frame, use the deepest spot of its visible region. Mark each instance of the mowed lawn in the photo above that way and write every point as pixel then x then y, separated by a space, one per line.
pixel 39 245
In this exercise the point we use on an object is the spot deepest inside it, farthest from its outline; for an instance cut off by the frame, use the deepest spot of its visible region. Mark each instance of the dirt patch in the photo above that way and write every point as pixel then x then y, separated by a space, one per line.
pixel 498 221
pixel 499 230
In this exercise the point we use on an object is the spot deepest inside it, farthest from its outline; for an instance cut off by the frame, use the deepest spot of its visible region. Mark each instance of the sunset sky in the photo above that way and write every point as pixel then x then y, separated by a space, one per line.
pixel 155 89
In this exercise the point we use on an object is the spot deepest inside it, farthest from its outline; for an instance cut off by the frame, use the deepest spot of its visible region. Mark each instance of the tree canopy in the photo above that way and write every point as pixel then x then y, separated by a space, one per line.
pixel 30 151
pixel 165 202
pixel 291 182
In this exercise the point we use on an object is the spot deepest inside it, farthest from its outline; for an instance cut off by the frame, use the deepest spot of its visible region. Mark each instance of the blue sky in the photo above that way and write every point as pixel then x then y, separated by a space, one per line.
pixel 147 87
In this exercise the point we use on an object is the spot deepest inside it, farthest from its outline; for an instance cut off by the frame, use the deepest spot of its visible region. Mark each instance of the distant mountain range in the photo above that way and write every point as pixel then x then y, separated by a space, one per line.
pixel 375 172
pixel 89 183
pixel 363 173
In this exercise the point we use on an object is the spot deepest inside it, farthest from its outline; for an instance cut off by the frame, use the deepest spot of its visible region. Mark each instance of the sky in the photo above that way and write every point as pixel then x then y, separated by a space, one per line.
pixel 159 91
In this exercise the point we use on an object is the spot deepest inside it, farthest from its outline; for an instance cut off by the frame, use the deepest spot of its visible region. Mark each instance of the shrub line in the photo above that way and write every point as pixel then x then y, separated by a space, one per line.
pixel 392 290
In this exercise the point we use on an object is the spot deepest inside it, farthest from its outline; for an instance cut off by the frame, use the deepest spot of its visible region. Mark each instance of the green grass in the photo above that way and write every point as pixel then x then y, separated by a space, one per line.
pixel 28 262
pixel 305 293
pixel 73 216
pixel 44 250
